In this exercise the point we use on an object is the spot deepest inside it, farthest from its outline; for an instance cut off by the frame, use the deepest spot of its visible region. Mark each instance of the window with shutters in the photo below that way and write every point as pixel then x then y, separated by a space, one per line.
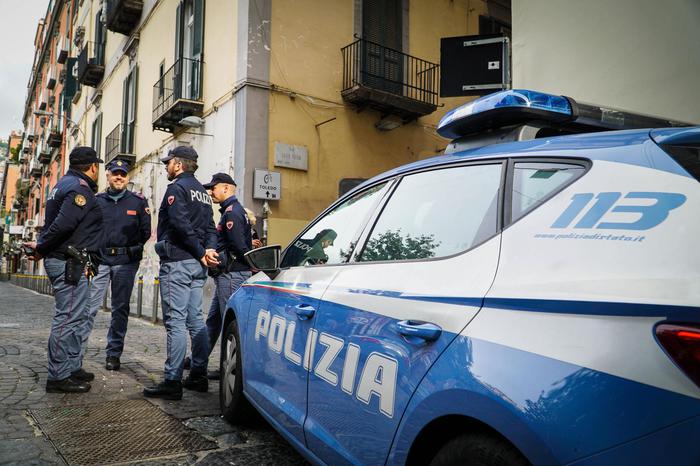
pixel 96 141
pixel 382 29
pixel 377 73
pixel 129 112
pixel 189 39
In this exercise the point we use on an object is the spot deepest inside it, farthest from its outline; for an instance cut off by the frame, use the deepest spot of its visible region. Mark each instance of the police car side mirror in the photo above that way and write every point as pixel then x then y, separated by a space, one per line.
pixel 266 259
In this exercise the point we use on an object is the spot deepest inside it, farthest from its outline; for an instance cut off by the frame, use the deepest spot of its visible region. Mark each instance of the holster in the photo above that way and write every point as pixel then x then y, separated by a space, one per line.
pixel 74 270
pixel 135 252
pixel 230 261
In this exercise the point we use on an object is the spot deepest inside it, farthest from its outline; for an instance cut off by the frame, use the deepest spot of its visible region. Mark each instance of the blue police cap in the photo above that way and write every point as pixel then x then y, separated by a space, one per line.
pixel 181 152
pixel 118 165
pixel 82 155
pixel 219 178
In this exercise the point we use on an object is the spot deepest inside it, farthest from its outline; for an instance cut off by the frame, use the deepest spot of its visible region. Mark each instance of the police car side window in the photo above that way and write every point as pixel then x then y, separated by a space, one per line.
pixel 331 239
pixel 436 214
pixel 534 182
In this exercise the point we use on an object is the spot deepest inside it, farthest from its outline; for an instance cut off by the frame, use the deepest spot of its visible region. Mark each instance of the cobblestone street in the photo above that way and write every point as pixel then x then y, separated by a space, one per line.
pixel 25 318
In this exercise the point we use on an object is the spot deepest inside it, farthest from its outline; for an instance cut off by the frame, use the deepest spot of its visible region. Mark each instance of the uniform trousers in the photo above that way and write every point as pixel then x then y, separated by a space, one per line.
pixel 226 285
pixel 122 284
pixel 181 284
pixel 69 321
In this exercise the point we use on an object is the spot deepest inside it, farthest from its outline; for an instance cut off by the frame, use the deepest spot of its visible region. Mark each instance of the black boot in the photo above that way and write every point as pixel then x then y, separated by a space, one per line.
pixel 82 375
pixel 167 389
pixel 196 381
pixel 67 385
pixel 112 363
pixel 213 375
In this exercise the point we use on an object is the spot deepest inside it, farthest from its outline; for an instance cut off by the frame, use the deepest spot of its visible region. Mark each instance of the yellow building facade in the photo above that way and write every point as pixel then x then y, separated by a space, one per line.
pixel 306 108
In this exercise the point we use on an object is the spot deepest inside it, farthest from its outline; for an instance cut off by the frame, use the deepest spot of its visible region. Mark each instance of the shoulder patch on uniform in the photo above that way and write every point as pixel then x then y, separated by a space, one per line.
pixel 83 182
pixel 229 208
pixel 80 200
pixel 171 199
pixel 229 224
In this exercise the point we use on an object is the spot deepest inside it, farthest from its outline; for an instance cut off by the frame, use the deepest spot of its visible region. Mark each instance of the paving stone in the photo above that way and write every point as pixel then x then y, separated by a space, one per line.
pixel 25 319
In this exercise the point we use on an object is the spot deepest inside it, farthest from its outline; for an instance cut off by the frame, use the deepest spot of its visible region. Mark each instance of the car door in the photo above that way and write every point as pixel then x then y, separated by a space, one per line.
pixel 418 280
pixel 279 336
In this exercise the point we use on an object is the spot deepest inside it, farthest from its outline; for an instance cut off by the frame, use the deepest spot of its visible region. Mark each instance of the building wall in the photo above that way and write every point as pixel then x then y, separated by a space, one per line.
pixel 307 109
pixel 630 54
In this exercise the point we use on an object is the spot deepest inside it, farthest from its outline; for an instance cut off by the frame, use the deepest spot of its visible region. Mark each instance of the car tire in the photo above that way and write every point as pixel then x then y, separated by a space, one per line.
pixel 478 450
pixel 235 408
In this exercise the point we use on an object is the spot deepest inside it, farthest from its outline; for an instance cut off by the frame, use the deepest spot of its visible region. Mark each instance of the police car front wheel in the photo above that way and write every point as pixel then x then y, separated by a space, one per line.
pixel 478 450
pixel 234 406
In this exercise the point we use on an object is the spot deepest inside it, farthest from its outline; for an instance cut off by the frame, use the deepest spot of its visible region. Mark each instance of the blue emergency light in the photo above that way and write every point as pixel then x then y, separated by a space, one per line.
pixel 521 106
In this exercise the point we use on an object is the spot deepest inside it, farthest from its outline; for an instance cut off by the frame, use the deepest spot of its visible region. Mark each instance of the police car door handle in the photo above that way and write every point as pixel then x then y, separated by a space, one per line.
pixel 304 311
pixel 417 329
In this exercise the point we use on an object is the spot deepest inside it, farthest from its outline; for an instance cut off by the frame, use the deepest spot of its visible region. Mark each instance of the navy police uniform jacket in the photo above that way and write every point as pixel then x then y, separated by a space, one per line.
pixel 127 227
pixel 73 217
pixel 185 221
pixel 234 236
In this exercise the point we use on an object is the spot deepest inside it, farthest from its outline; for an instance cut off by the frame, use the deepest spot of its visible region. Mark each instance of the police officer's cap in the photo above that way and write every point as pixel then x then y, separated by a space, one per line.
pixel 118 166
pixel 181 152
pixel 83 155
pixel 219 178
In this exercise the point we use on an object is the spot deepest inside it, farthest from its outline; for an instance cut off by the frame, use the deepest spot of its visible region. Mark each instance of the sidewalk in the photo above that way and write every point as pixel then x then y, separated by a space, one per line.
pixel 25 319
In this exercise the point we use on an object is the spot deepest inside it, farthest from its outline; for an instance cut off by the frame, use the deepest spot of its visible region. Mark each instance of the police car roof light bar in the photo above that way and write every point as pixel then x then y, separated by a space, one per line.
pixel 521 106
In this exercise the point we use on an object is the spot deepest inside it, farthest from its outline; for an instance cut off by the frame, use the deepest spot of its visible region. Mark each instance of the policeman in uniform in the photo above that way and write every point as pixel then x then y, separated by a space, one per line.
pixel 73 218
pixel 234 239
pixel 186 247
pixel 127 220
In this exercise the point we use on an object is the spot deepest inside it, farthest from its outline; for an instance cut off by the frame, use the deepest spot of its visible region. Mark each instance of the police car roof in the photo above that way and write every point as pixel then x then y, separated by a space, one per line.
pixel 586 145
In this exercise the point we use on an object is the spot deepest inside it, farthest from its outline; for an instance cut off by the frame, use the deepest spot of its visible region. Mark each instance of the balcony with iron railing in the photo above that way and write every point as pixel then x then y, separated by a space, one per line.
pixel 61 49
pixel 35 169
pixel 390 81
pixel 55 137
pixel 44 155
pixel 91 65
pixel 119 145
pixel 177 94
pixel 51 78
pixel 123 15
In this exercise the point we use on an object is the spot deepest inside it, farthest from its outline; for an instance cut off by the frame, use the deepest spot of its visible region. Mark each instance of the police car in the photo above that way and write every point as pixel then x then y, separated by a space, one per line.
pixel 534 300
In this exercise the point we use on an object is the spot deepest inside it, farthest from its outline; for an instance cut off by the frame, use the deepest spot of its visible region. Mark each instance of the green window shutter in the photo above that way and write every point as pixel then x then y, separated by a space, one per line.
pixel 197 46
pixel 382 22
pixel 178 30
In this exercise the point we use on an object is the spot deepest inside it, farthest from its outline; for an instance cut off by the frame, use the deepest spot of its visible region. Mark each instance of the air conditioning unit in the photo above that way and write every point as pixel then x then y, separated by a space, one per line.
pixel 30 223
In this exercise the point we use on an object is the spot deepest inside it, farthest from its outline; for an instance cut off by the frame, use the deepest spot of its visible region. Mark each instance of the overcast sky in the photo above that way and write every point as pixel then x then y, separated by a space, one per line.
pixel 17 31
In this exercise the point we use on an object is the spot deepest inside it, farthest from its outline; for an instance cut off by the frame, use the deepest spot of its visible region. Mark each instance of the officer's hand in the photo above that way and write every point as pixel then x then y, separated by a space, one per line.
pixel 210 258
pixel 257 243
pixel 30 250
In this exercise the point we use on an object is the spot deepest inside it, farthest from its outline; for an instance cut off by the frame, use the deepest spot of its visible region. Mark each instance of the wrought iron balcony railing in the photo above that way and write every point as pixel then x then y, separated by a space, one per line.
pixel 177 94
pixel 119 145
pixel 91 64
pixel 388 80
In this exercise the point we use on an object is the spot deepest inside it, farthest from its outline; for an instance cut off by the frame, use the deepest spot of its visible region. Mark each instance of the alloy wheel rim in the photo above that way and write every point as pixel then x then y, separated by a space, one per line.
pixel 230 369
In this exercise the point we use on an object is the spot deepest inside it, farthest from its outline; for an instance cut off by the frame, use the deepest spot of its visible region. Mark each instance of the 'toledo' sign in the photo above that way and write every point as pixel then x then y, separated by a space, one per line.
pixel 267 185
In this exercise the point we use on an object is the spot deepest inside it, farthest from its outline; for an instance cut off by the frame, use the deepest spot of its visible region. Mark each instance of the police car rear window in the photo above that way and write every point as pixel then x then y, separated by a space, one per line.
pixel 687 156
pixel 534 182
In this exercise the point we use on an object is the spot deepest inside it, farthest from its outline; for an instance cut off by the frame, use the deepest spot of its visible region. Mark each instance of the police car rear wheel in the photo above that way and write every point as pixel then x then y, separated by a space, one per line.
pixel 478 450
pixel 234 406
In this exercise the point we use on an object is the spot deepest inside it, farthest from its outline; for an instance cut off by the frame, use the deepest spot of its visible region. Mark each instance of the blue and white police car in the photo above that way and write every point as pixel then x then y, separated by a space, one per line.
pixel 530 297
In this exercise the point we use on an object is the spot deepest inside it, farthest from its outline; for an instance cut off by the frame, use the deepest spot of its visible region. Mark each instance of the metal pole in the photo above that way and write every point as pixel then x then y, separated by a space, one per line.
pixel 156 287
pixel 139 296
